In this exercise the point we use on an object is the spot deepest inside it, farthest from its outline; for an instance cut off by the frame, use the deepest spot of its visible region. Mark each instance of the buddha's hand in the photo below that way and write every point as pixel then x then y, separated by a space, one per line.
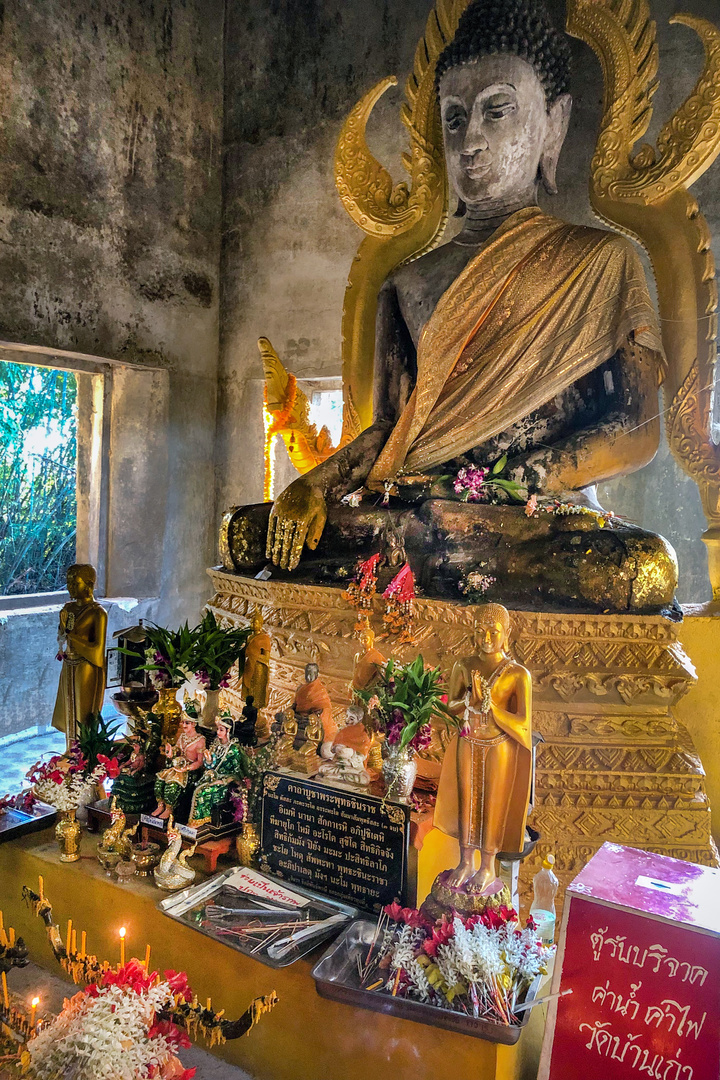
pixel 298 517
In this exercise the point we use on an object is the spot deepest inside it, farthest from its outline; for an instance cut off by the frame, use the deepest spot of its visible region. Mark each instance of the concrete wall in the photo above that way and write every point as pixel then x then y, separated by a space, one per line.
pixel 292 73
pixel 110 149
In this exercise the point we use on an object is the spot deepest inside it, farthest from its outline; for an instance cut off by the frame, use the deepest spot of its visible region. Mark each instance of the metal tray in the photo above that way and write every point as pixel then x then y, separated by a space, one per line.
pixel 14 823
pixel 336 977
pixel 196 897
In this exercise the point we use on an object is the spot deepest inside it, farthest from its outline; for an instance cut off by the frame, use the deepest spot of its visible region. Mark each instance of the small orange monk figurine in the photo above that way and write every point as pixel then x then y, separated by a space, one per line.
pixel 312 697
pixel 484 788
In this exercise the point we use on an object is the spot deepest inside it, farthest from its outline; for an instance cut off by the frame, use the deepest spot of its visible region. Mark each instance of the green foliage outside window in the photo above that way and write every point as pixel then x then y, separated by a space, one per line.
pixel 38 466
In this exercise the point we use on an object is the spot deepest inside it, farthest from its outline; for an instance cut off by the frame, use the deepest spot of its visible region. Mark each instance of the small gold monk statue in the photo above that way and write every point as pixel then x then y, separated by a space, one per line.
pixel 81 647
pixel 256 674
pixel 369 665
pixel 311 697
pixel 306 758
pixel 484 788
pixel 284 747
pixel 369 661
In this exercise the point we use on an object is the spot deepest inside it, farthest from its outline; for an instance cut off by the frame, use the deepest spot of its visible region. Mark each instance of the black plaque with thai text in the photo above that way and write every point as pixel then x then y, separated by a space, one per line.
pixel 348 845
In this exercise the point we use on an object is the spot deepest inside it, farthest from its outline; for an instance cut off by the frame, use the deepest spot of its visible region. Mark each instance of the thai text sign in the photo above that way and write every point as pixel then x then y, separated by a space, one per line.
pixel 645 987
pixel 353 847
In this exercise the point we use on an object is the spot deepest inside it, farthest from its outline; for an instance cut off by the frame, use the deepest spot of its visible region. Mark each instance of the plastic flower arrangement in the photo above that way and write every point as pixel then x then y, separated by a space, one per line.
pixel 480 484
pixel 480 965
pixel 115 1030
pixel 65 781
pixel 170 656
pixel 403 704
pixel 204 653
pixel 216 650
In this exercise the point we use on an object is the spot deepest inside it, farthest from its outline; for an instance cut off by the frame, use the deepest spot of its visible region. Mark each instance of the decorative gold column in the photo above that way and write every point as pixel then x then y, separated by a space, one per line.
pixel 615 764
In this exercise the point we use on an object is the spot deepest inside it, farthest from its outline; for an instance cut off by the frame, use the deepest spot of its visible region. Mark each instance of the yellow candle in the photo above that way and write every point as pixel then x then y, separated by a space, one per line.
pixel 2 930
pixel 68 941
pixel 40 885
pixel 6 998
pixel 11 936
pixel 74 943
pixel 122 946
pixel 147 959
pixel 83 942
pixel 208 1006
pixel 35 1003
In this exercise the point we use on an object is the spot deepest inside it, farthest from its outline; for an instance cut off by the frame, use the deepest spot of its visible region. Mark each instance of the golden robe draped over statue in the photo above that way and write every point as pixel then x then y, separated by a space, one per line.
pixel 541 305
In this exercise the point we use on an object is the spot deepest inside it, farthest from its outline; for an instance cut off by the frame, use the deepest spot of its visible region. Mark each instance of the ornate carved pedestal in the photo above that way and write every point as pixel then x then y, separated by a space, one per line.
pixel 615 764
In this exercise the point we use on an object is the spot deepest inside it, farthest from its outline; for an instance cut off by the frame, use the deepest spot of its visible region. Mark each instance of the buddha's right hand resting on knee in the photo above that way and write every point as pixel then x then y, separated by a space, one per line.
pixel 299 513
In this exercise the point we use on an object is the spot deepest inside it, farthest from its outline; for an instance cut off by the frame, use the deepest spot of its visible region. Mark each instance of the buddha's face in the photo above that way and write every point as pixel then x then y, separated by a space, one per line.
pixel 497 129
pixel 491 637
pixel 311 672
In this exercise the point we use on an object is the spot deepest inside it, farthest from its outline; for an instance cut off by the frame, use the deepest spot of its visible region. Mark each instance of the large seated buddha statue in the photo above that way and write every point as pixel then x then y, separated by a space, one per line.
pixel 516 367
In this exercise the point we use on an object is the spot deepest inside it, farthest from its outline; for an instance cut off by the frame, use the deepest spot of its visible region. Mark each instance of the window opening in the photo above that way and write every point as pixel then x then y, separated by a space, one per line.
pixel 38 475
pixel 326 410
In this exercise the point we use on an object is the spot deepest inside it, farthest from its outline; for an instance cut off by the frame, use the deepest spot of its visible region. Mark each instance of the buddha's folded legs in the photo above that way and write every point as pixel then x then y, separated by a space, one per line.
pixel 472 553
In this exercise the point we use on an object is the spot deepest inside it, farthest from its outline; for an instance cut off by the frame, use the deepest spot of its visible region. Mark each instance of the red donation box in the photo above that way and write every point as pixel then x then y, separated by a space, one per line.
pixel 640 950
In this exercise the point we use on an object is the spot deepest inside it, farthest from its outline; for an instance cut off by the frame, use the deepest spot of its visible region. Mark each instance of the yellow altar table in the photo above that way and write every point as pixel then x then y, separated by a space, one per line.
pixel 305 1037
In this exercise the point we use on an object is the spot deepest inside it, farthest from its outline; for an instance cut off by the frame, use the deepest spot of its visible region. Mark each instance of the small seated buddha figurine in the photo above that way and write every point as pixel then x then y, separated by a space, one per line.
pixel 225 764
pixel 484 788
pixel 185 762
pixel 81 647
pixel 311 698
pixel 256 673
pixel 525 348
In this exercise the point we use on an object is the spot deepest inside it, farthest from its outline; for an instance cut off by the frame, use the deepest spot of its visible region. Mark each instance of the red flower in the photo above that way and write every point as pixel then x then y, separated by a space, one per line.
pixel 393 911
pixel 441 934
pixel 172 1034
pixel 178 981
pixel 112 767
pixel 57 777
pixel 91 990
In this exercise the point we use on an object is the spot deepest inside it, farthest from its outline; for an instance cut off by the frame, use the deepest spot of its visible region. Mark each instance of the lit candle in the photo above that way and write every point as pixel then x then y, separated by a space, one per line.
pixel 35 1002
pixel 11 936
pixel 74 943
pixel 209 1005
pixel 3 939
pixel 68 941
pixel 122 946
pixel 83 943
pixel 147 959
pixel 6 998
pixel 40 886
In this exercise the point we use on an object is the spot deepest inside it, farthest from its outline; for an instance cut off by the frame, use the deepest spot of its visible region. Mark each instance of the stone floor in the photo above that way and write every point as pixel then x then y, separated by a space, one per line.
pixel 33 981
pixel 17 757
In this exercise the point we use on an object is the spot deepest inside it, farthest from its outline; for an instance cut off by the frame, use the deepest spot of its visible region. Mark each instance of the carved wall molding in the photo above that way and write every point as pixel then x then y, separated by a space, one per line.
pixel 620 769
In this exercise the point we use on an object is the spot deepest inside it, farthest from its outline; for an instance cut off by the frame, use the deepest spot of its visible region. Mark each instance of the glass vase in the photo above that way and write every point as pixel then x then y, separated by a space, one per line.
pixel 399 770
pixel 67 834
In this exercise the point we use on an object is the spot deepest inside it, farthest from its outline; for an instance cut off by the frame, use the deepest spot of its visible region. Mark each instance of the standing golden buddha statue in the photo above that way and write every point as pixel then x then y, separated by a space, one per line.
pixel 81 647
pixel 256 673
pixel 484 789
